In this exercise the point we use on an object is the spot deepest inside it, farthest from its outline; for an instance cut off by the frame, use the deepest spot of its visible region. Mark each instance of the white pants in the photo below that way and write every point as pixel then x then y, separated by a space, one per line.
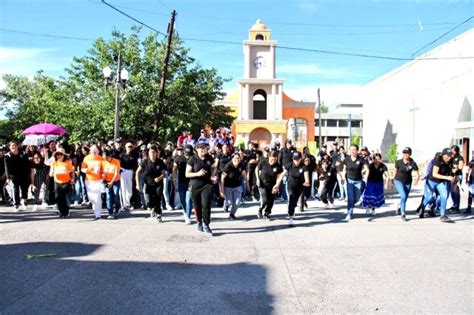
pixel 94 192
pixel 126 187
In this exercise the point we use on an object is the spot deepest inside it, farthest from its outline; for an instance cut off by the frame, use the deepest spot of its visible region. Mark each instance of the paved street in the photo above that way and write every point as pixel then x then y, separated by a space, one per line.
pixel 323 264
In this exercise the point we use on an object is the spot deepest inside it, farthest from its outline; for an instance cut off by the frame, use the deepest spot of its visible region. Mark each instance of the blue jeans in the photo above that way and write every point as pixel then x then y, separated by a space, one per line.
pixel 185 198
pixel 404 192
pixel 113 198
pixel 81 192
pixel 354 191
pixel 442 189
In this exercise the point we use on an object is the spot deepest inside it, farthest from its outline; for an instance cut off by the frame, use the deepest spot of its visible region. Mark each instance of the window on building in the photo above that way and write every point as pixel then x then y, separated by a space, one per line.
pixel 343 123
pixel 331 123
pixel 259 37
pixel 356 124
pixel 259 104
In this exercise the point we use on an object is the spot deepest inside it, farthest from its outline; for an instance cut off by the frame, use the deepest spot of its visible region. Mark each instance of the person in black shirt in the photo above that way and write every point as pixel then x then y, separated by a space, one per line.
pixel 284 158
pixel 298 178
pixel 230 184
pixel 154 170
pixel 354 167
pixel 339 165
pixel 182 182
pixel 457 163
pixel 470 182
pixel 253 155
pixel 439 179
pixel 17 170
pixel 201 169
pixel 312 168
pixel 224 159
pixel 374 193
pixel 403 179
pixel 128 163
pixel 327 180
pixel 268 173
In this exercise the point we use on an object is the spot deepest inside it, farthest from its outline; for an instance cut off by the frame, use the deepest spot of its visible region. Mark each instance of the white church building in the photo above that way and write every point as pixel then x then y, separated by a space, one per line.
pixel 425 104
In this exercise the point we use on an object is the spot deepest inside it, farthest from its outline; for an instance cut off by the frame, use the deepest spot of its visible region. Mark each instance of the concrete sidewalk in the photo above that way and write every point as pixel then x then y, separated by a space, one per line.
pixel 322 265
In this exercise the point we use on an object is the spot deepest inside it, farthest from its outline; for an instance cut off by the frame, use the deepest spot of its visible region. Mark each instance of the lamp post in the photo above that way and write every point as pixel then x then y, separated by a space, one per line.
pixel 118 78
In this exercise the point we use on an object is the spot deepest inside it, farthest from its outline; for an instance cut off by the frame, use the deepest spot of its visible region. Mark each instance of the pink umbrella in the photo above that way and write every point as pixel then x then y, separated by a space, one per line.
pixel 45 129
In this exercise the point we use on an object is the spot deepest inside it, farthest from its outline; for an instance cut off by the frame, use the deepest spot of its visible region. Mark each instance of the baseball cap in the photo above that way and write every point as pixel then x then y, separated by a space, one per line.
pixel 296 155
pixel 364 148
pixel 447 151
pixel 406 150
pixel 188 150
pixel 267 149
pixel 288 140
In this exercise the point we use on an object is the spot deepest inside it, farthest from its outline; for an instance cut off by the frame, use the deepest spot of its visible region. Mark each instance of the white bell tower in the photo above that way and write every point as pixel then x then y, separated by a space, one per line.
pixel 261 93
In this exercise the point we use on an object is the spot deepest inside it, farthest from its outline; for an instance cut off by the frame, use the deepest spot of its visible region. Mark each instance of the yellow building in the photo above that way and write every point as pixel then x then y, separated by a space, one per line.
pixel 263 112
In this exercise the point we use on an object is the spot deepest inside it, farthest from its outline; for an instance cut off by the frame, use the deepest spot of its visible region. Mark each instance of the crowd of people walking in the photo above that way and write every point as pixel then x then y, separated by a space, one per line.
pixel 195 174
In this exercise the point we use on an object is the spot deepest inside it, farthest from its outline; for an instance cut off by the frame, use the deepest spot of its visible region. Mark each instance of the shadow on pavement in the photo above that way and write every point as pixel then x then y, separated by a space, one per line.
pixel 72 283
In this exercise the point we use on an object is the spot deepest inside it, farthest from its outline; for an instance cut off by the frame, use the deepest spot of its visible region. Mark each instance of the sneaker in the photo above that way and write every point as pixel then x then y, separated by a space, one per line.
pixel 110 217
pixel 35 208
pixel 23 205
pixel 75 204
pixel 96 218
pixel 259 214
pixel 232 216
pixel 159 219
pixel 207 229
pixel 367 211
pixel 226 209
pixel 403 217
pixel 152 214
pixel 372 212
pixel 169 207
pixel 187 221
pixel 468 211
pixel 348 217
pixel 421 213
pixel 44 205
pixel 445 218
pixel 17 208
pixel 290 222
pixel 199 227
pixel 266 217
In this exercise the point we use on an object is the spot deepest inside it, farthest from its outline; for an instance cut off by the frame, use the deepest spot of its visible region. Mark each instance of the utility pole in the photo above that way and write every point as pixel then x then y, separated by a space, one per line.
pixel 319 118
pixel 164 68
pixel 118 86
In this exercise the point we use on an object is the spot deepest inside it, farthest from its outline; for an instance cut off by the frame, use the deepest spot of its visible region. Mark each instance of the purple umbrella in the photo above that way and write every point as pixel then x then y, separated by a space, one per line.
pixel 45 129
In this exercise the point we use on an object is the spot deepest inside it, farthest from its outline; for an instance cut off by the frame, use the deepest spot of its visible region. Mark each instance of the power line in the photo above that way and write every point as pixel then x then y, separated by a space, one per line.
pixel 443 35
pixel 132 18
pixel 214 41
pixel 46 35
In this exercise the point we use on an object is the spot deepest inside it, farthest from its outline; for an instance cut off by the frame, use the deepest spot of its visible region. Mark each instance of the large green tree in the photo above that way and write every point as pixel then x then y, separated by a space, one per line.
pixel 84 105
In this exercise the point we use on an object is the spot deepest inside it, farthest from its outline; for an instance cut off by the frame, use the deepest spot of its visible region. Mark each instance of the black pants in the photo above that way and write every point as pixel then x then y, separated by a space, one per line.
pixel 155 194
pixel 19 186
pixel 327 192
pixel 267 199
pixel 201 197
pixel 62 193
pixel 51 192
pixel 294 193
pixel 254 191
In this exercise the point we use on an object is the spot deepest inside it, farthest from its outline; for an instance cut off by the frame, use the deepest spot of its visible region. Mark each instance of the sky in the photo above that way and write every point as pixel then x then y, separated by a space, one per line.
pixel 377 28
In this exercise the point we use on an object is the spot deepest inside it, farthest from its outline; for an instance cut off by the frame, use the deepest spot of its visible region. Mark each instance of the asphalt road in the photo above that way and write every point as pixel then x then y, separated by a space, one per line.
pixel 322 265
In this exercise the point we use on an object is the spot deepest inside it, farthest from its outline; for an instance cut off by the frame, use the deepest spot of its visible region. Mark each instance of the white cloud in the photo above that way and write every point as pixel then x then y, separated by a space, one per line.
pixel 312 69
pixel 27 61
pixel 331 95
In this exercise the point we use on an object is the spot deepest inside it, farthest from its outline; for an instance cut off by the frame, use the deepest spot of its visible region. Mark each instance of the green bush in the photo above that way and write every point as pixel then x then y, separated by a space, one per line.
pixel 355 140
pixel 392 153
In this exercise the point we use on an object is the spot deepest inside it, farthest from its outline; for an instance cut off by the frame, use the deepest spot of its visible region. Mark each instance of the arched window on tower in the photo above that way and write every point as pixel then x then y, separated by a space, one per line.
pixel 259 104
pixel 259 37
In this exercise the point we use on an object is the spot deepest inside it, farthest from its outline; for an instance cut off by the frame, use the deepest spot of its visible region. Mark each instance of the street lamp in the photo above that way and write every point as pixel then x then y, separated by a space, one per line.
pixel 118 78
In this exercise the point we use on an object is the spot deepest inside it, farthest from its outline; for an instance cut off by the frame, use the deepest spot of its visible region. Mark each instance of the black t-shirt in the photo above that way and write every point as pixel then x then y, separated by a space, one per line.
pixel 354 168
pixel 471 166
pixel 181 162
pixel 233 174
pixel 339 163
pixel 376 173
pixel 295 174
pixel 128 161
pixel 285 156
pixel 444 169
pixel 197 164
pixel 455 162
pixel 152 170
pixel 404 170
pixel 223 160
pixel 269 173
pixel 312 164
